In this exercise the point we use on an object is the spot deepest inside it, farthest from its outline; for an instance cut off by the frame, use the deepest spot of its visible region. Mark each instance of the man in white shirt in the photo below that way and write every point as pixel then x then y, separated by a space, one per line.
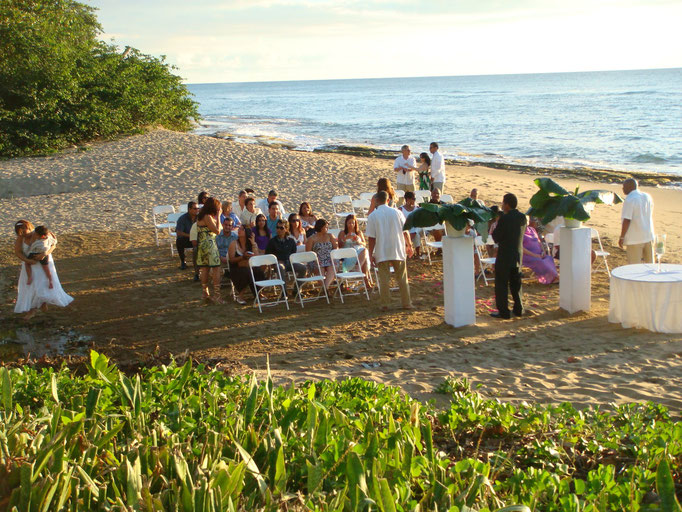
pixel 637 231
pixel 405 166
pixel 437 167
pixel 389 246
pixel 264 204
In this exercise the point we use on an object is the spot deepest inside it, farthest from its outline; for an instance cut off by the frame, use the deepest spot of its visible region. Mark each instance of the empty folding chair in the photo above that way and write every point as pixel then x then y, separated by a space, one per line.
pixel 163 212
pixel 172 220
pixel 267 260
pixel 427 244
pixel 305 258
pixel 361 207
pixel 366 195
pixel 346 278
pixel 422 196
pixel 446 198
pixel 486 262
pixel 341 212
pixel 601 253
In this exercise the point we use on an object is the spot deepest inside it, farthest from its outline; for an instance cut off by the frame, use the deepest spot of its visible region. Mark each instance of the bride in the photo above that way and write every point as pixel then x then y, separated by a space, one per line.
pixel 38 294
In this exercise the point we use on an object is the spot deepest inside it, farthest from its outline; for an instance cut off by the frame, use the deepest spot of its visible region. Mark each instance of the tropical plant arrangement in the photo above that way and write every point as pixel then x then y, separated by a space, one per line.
pixel 458 215
pixel 553 200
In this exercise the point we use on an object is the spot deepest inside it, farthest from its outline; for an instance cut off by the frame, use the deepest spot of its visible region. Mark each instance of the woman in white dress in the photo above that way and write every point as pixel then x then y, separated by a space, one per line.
pixel 38 294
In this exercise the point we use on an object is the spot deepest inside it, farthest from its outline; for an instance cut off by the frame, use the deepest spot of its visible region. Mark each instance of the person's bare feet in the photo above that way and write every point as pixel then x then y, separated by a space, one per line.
pixel 43 306
pixel 30 314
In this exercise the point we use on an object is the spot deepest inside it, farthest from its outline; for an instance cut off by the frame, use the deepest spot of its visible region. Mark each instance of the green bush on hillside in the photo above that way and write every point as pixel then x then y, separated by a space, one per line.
pixel 60 85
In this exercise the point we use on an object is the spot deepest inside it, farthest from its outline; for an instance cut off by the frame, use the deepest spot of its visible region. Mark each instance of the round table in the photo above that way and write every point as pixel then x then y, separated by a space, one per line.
pixel 640 296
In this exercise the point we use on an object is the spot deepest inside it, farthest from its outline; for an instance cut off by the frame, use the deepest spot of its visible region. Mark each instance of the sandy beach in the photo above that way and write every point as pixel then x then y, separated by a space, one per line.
pixel 135 303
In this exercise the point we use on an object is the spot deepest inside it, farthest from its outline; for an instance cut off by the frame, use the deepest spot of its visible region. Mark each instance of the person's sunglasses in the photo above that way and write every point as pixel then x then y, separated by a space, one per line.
pixel 280 227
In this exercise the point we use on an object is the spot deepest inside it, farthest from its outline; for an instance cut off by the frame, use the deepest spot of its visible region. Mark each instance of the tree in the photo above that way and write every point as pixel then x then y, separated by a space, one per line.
pixel 60 85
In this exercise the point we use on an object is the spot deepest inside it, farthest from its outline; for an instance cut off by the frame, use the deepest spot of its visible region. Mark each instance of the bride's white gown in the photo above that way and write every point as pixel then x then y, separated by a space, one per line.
pixel 34 295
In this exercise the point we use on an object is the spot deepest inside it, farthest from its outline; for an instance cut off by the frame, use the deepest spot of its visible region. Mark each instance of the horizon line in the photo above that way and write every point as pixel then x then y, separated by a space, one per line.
pixel 433 76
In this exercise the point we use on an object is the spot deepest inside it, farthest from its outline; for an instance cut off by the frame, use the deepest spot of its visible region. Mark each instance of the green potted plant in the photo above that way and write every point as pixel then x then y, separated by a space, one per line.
pixel 455 217
pixel 552 200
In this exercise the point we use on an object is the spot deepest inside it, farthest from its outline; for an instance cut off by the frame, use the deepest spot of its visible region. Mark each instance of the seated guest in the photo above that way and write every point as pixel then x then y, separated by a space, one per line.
pixel 264 204
pixel 435 199
pixel 238 208
pixel 383 184
pixel 239 252
pixel 224 239
pixel 201 199
pixel 322 243
pixel 407 208
pixel 351 236
pixel 283 246
pixel 183 226
pixel 536 259
pixel 273 218
pixel 261 232
pixel 308 219
pixel 296 231
pixel 248 216
pixel 474 194
pixel 226 211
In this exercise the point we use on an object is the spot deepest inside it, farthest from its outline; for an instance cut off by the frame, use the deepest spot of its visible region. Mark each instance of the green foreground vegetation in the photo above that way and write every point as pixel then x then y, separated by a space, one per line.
pixel 60 85
pixel 188 438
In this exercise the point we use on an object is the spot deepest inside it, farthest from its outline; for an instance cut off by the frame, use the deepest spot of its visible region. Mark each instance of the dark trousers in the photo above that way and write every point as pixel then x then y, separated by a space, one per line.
pixel 508 278
pixel 183 243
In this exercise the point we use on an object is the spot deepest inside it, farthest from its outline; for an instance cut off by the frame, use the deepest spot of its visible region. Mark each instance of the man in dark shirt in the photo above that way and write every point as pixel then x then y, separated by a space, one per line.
pixel 509 237
pixel 283 246
pixel 182 229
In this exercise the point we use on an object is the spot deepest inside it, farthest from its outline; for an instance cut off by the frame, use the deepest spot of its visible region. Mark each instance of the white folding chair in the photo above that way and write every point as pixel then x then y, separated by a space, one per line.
pixel 429 245
pixel 172 220
pixel 340 213
pixel 422 196
pixel 601 253
pixel 334 231
pixel 346 278
pixel 304 258
pixel 361 207
pixel 486 262
pixel 400 194
pixel 182 208
pixel 267 260
pixel 446 198
pixel 366 195
pixel 163 212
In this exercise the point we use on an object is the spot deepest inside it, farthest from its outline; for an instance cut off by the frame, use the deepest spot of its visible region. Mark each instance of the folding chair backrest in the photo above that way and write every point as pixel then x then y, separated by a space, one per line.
pixel 447 198
pixel 367 195
pixel 400 193
pixel 173 217
pixel 341 200
pixel 422 196
pixel 164 209
pixel 334 231
pixel 182 208
pixel 360 206
pixel 303 257
pixel 595 234
pixel 345 252
pixel 263 259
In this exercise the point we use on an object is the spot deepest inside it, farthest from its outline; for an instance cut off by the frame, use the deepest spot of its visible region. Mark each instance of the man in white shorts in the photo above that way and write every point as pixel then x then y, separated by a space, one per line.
pixel 637 231
pixel 405 166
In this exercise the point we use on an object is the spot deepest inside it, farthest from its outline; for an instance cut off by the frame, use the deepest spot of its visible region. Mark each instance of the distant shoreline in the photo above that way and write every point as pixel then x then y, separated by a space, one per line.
pixel 647 178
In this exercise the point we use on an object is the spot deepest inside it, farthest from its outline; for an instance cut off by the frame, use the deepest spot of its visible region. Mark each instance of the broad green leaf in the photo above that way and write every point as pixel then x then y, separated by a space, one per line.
pixel 421 218
pixel 280 472
pixel 599 197
pixel 550 186
pixel 387 499
pixel 666 487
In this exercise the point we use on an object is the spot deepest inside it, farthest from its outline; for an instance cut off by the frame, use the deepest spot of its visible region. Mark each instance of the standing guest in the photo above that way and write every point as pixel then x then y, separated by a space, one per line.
pixel 437 167
pixel 248 216
pixel 201 199
pixel 227 212
pixel 322 243
pixel 410 206
pixel 225 238
pixel 38 294
pixel 389 246
pixel 535 257
pixel 239 253
pixel 261 232
pixel 296 231
pixel 274 217
pixel 352 237
pixel 405 167
pixel 385 185
pixel 424 172
pixel 239 207
pixel 283 246
pixel 208 256
pixel 308 218
pixel 264 204
pixel 509 237
pixel 637 231
pixel 183 226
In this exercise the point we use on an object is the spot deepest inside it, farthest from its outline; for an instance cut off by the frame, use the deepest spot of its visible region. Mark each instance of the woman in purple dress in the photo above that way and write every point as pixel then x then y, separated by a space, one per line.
pixel 536 259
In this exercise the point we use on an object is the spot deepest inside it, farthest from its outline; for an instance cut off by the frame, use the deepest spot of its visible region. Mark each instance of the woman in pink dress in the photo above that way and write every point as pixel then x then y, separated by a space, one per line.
pixel 536 259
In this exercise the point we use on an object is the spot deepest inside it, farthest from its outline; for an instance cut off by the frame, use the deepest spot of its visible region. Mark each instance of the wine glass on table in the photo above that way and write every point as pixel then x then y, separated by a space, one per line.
pixel 659 249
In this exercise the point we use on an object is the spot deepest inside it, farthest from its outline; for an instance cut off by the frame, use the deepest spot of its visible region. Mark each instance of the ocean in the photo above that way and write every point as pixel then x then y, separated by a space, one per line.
pixel 620 120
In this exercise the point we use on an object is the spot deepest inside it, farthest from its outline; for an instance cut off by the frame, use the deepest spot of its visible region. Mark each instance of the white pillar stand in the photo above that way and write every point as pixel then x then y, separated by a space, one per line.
pixel 575 285
pixel 458 281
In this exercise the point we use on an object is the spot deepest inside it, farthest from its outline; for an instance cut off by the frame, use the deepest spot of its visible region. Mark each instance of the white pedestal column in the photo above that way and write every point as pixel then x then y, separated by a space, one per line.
pixel 458 281
pixel 575 286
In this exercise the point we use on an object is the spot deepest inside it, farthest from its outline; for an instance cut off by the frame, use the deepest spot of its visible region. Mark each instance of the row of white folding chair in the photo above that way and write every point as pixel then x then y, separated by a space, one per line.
pixel 428 245
pixel 161 211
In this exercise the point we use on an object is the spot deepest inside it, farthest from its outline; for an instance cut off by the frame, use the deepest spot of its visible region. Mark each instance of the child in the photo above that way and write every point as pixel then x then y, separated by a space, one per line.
pixel 43 243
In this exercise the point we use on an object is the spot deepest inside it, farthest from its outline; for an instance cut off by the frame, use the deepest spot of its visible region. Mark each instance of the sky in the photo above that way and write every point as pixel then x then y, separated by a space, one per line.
pixel 213 41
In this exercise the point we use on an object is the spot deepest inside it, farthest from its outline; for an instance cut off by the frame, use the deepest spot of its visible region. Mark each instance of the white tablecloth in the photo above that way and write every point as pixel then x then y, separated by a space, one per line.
pixel 643 297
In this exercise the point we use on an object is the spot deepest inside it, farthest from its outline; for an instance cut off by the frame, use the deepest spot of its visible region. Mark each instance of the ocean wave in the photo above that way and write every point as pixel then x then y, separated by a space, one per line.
pixel 648 158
